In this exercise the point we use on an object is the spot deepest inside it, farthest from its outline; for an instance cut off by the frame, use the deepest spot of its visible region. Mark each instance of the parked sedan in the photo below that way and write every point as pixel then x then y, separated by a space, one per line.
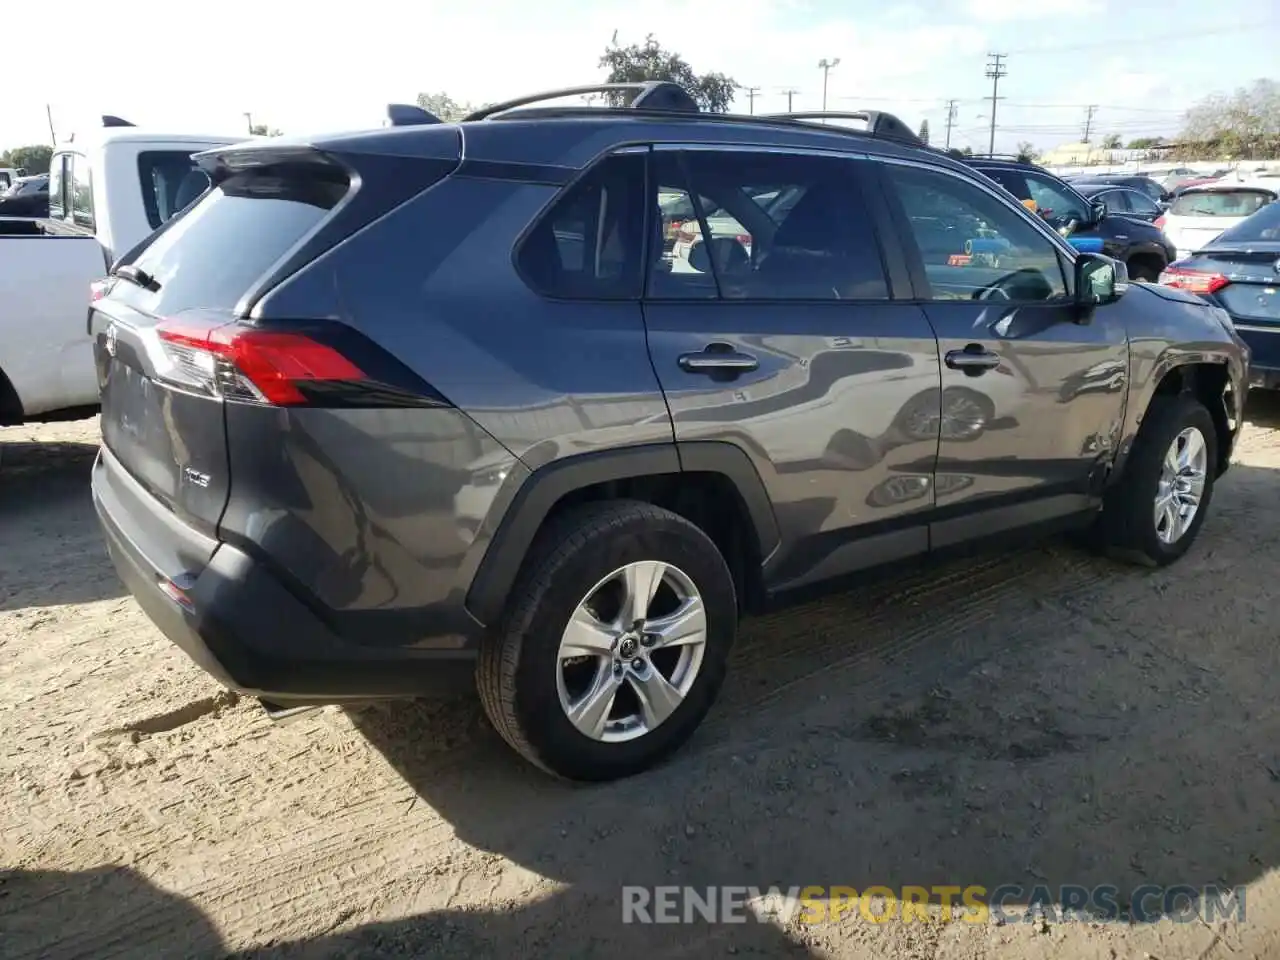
pixel 1122 201
pixel 1200 214
pixel 1240 272
pixel 1144 185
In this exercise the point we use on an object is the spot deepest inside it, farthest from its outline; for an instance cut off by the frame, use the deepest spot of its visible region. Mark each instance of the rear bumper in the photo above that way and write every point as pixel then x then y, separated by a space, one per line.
pixel 239 623
pixel 1264 353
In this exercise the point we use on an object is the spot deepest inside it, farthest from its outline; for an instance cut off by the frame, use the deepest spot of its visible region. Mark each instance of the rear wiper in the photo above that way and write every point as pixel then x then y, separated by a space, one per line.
pixel 137 275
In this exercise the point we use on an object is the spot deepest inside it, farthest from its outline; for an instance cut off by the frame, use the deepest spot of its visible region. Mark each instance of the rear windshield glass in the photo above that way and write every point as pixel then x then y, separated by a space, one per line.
pixel 209 258
pixel 1220 203
pixel 1263 225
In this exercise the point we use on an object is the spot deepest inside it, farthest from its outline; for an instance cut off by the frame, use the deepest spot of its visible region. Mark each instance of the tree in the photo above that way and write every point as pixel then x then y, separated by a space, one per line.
pixel 1246 122
pixel 444 106
pixel 924 130
pixel 1111 141
pixel 34 158
pixel 262 130
pixel 1145 143
pixel 1027 152
pixel 649 61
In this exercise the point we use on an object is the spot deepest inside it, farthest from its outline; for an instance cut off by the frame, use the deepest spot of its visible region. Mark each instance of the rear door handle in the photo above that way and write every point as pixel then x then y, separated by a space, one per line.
pixel 718 358
pixel 973 359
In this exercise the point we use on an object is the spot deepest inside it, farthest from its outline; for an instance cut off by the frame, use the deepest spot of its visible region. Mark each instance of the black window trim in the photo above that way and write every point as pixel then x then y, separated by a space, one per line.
pixel 922 289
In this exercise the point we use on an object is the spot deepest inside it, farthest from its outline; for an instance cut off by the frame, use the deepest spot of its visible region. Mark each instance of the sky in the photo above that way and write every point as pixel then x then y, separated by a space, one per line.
pixel 313 68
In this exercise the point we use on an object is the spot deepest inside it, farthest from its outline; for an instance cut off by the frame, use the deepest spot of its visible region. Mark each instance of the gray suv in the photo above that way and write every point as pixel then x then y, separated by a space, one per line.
pixel 387 411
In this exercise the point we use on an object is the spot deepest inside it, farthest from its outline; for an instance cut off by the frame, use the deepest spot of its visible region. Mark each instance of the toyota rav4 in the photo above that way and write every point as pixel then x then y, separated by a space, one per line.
pixel 387 411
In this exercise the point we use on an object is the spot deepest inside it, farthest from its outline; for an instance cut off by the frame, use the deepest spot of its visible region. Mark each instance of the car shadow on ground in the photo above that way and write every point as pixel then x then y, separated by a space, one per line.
pixel 107 911
pixel 45 505
pixel 1082 747
pixel 1263 409
pixel 1088 735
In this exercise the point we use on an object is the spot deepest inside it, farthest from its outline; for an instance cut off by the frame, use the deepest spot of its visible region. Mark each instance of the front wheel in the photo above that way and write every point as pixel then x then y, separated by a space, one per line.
pixel 615 645
pixel 1155 512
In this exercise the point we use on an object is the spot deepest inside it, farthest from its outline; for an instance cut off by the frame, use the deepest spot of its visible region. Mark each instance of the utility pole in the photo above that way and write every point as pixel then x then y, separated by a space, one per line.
pixel 248 118
pixel 48 112
pixel 995 70
pixel 1088 120
pixel 826 67
pixel 752 93
pixel 951 119
pixel 789 94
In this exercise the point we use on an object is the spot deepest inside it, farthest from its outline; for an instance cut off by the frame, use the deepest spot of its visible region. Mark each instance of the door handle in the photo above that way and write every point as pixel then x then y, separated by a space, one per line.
pixel 973 360
pixel 718 358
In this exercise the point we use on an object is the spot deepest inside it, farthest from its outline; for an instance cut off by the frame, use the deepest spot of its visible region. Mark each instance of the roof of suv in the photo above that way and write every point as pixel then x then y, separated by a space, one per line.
pixel 573 136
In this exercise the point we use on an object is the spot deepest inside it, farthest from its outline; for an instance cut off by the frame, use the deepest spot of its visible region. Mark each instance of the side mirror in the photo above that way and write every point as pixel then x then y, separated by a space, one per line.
pixel 1098 208
pixel 1099 280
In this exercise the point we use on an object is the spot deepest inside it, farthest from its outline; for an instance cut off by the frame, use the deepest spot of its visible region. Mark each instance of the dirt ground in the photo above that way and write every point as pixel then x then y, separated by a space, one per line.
pixel 1043 717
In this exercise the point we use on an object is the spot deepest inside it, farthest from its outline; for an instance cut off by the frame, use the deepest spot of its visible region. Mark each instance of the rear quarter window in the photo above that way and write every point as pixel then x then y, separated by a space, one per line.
pixel 1220 203
pixel 214 254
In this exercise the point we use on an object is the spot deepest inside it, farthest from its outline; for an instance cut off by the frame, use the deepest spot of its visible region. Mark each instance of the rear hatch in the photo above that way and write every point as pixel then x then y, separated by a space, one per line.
pixel 171 342
pixel 1199 216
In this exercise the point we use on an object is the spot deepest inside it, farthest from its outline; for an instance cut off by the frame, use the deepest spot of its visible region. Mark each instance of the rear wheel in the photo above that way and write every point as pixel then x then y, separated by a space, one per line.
pixel 615 645
pixel 1144 268
pixel 1154 513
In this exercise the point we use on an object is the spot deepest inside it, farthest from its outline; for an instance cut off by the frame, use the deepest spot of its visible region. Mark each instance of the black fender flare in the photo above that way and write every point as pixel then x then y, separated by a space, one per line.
pixel 548 485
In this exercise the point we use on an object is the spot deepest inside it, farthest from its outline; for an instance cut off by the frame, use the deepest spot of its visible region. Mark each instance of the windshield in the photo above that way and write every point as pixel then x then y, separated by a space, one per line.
pixel 1220 203
pixel 1263 225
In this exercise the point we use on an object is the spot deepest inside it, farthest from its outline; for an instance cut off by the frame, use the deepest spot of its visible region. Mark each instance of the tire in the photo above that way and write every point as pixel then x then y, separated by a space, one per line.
pixel 1128 526
pixel 1140 268
pixel 520 672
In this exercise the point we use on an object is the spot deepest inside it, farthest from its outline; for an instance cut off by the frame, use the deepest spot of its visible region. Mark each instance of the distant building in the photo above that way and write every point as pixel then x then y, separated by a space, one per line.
pixel 1091 154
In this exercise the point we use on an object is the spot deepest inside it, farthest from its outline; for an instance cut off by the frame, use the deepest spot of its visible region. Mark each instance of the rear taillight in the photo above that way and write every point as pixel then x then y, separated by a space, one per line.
pixel 1160 222
pixel 239 362
pixel 1193 281
pixel 98 289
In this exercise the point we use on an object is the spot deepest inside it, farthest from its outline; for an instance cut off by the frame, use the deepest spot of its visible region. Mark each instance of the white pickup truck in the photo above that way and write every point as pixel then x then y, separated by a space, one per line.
pixel 108 191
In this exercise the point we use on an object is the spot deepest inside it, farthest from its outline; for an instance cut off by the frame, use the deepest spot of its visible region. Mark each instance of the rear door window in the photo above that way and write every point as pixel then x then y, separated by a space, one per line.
pixel 81 191
pixel 1117 201
pixel 233 237
pixel 57 186
pixel 1220 203
pixel 780 228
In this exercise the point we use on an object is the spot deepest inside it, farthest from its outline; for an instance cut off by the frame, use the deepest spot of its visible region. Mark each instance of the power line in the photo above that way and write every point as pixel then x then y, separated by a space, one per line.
pixel 995 70
pixel 951 119
pixel 789 93
pixel 1088 120
pixel 752 93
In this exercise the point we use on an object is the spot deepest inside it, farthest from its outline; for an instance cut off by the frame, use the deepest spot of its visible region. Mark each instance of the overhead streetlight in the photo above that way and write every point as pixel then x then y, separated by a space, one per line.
pixel 826 66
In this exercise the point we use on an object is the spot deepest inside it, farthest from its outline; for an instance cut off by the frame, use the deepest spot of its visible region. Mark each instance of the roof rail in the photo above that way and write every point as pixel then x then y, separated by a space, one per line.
pixel 409 115
pixel 650 95
pixel 999 156
pixel 110 121
pixel 879 124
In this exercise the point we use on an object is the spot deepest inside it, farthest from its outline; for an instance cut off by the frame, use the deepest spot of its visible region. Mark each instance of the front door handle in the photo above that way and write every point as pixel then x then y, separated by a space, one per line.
pixel 718 358
pixel 973 360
